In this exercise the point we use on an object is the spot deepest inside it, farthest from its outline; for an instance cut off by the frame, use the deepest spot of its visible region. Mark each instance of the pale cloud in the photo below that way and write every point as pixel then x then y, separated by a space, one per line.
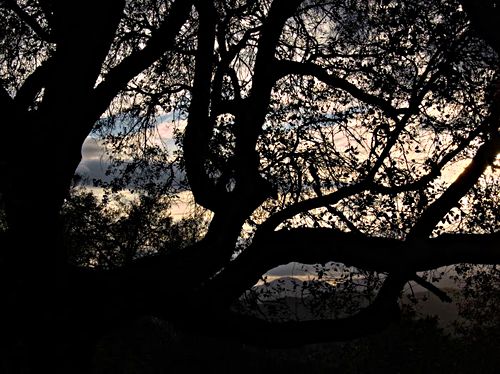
pixel 164 133
pixel 92 148
pixel 94 161
pixel 166 130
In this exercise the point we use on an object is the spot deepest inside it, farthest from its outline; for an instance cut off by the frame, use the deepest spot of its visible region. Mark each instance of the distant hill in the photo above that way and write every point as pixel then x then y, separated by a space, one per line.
pixel 429 305
pixel 290 298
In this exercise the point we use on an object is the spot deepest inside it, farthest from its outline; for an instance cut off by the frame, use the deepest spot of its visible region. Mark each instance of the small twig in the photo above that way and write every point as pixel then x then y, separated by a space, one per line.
pixel 443 296
pixel 29 20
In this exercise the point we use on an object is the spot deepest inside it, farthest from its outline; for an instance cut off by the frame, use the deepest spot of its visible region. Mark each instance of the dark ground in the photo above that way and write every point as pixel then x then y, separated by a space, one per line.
pixel 152 346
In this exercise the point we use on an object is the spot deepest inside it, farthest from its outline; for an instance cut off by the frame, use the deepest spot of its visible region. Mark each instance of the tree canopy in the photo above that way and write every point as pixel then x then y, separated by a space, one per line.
pixel 359 132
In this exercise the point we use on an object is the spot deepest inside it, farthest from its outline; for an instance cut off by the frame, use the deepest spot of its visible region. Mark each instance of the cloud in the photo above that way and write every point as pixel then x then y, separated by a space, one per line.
pixel 291 269
pixel 92 148
pixel 94 162
pixel 165 132
pixel 93 169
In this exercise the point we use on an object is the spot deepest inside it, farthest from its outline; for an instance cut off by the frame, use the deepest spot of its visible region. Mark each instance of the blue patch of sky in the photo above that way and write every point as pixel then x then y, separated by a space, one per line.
pixel 95 161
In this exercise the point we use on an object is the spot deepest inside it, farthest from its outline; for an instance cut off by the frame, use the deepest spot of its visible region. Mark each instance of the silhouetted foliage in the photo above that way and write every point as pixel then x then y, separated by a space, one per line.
pixel 479 306
pixel 364 133
pixel 120 227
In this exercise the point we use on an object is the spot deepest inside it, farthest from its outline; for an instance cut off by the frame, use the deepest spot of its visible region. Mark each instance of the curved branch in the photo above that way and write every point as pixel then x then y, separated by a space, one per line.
pixel 430 287
pixel 316 202
pixel 322 245
pixel 253 115
pixel 436 168
pixel 161 40
pixel 34 83
pixel 367 182
pixel 374 318
pixel 121 296
pixel 284 68
pixel 199 127
pixel 450 198
pixel 140 288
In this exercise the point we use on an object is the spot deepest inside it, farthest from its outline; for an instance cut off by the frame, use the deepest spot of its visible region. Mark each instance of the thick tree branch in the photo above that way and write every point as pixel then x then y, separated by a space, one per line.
pixel 450 198
pixel 34 83
pixel 199 127
pixel 6 100
pixel 8 113
pixel 161 40
pixel 77 60
pixel 142 287
pixel 254 330
pixel 137 291
pixel 253 114
pixel 485 17
pixel 379 254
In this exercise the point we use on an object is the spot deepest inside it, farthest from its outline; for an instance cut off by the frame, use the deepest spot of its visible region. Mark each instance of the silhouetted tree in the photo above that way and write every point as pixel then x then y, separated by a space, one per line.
pixel 113 231
pixel 323 126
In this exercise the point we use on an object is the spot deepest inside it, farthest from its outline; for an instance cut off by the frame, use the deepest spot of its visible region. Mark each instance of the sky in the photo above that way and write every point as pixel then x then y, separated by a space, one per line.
pixel 95 163
pixel 94 160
